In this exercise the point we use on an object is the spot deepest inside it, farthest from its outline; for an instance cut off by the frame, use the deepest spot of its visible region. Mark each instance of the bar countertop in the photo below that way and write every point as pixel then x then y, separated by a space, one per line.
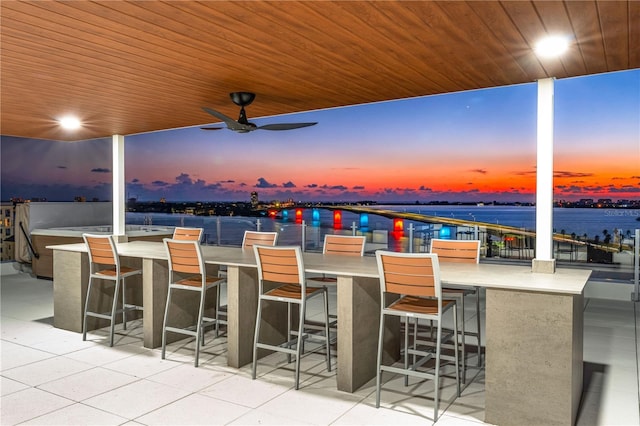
pixel 495 276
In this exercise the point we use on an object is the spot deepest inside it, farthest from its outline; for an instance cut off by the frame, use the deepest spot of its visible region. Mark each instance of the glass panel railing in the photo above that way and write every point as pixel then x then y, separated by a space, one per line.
pixel 611 258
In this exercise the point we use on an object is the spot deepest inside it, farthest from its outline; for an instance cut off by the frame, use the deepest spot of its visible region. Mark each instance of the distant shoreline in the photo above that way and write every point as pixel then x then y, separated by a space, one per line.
pixel 135 205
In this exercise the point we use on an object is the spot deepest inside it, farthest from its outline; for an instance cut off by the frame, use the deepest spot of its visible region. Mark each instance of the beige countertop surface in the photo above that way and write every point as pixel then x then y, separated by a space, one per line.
pixel 495 276
pixel 101 230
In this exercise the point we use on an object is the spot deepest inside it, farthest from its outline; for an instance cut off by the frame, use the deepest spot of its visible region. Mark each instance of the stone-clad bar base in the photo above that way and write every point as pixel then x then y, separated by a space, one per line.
pixel 358 332
pixel 149 290
pixel 534 357
pixel 71 280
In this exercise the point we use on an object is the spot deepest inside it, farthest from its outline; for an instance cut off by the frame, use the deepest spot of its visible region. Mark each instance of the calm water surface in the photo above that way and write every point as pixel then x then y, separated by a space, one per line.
pixel 579 221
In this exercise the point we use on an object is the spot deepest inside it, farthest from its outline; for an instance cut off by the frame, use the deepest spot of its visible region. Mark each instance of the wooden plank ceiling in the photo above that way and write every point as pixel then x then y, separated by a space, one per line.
pixel 139 66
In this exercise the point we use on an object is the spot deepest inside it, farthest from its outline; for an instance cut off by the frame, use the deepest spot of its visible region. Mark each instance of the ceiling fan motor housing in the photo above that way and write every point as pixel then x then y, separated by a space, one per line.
pixel 242 99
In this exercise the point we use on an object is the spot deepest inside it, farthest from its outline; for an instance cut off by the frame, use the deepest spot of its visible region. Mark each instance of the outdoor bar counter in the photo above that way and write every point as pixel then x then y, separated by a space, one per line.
pixel 42 238
pixel 534 321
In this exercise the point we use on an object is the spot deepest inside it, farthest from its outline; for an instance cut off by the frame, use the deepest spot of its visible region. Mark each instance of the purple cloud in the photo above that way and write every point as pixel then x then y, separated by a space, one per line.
pixel 262 183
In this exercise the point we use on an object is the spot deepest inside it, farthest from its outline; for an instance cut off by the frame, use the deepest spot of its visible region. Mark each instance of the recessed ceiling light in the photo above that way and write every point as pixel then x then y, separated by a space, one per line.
pixel 551 46
pixel 70 123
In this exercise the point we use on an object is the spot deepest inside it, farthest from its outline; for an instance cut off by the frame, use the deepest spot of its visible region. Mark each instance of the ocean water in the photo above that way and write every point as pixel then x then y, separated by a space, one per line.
pixel 229 230
pixel 583 221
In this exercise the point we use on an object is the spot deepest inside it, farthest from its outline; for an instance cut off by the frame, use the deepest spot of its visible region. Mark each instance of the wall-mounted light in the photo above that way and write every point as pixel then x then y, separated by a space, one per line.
pixel 70 123
pixel 551 46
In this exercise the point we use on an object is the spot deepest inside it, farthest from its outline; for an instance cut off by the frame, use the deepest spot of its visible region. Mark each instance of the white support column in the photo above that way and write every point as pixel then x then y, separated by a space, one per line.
pixel 118 188
pixel 544 261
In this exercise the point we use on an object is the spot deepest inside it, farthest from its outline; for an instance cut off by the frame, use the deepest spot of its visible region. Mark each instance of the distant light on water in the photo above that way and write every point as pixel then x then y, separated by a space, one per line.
pixel 445 233
pixel 364 220
pixel 337 219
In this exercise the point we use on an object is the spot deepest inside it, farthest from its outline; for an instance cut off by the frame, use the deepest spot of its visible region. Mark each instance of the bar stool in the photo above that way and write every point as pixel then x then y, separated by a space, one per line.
pixel 461 251
pixel 284 267
pixel 104 265
pixel 342 245
pixel 187 273
pixel 262 238
pixel 415 279
pixel 195 234
pixel 249 239
pixel 254 237
pixel 187 234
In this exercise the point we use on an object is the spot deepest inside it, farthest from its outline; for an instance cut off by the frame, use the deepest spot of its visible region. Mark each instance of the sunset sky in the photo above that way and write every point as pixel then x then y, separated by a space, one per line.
pixel 468 146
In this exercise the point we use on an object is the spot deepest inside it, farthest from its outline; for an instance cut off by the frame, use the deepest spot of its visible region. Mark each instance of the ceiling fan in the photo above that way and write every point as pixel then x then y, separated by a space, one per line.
pixel 242 125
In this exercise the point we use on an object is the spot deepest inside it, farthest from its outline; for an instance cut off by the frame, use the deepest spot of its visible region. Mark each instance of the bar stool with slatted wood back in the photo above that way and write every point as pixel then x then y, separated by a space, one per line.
pixel 461 251
pixel 414 278
pixel 283 267
pixel 104 266
pixel 342 245
pixel 195 234
pixel 187 234
pixel 262 238
pixel 254 237
pixel 187 272
pixel 248 240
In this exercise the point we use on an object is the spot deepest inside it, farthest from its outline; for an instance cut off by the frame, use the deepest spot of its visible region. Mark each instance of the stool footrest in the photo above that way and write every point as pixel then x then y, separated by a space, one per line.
pixel 186 331
pixel 424 358
pixel 103 316
pixel 285 347
pixel 130 307
pixel 403 371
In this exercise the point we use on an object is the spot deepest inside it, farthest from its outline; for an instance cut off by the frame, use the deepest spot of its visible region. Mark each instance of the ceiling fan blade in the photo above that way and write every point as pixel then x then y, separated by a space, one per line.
pixel 219 115
pixel 210 128
pixel 230 122
pixel 285 126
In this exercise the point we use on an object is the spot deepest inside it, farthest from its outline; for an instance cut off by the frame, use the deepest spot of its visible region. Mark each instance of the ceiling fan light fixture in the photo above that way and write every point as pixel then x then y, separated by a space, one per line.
pixel 70 123
pixel 551 46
